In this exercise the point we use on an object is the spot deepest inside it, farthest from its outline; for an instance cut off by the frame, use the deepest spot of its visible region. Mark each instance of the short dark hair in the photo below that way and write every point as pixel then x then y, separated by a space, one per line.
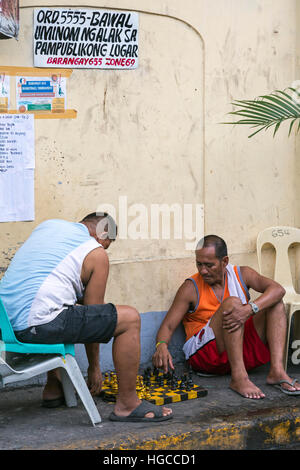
pixel 217 242
pixel 109 224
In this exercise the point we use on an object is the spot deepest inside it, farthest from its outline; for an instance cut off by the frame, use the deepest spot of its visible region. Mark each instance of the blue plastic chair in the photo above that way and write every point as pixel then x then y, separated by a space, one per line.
pixel 44 357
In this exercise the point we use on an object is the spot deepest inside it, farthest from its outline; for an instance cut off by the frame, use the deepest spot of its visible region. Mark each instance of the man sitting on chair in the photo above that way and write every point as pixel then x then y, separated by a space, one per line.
pixel 225 331
pixel 60 264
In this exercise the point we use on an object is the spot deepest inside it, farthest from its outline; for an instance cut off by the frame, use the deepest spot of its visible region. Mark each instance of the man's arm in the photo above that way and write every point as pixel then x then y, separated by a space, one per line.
pixel 185 296
pixel 94 276
pixel 271 293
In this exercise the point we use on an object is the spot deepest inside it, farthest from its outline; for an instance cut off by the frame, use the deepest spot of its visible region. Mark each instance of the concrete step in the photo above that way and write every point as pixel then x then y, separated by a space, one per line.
pixel 221 420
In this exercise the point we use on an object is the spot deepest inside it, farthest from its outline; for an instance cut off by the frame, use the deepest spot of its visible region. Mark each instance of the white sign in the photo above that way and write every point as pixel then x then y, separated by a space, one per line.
pixel 71 38
pixel 16 167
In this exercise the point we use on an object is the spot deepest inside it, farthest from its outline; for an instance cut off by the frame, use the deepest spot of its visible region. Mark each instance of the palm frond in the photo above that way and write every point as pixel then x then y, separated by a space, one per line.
pixel 269 110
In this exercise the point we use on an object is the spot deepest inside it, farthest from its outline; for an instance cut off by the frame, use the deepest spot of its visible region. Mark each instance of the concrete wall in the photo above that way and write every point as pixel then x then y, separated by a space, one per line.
pixel 297 153
pixel 154 135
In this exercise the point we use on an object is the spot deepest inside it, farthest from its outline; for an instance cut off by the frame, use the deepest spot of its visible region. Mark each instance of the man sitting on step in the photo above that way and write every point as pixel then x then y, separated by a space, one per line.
pixel 225 331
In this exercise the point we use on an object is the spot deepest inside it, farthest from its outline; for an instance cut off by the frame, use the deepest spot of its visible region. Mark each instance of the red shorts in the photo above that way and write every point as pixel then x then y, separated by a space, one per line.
pixel 208 359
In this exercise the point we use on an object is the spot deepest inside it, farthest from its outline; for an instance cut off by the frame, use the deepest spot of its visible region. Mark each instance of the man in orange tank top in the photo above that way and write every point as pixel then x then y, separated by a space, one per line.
pixel 225 331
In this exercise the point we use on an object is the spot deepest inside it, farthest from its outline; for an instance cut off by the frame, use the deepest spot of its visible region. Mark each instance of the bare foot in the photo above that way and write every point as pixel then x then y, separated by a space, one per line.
pixel 246 388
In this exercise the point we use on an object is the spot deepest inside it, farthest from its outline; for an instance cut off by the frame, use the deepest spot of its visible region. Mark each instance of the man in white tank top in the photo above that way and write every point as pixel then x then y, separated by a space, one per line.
pixel 61 265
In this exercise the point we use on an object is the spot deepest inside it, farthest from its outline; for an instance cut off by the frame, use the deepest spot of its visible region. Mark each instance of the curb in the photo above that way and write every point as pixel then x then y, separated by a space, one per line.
pixel 270 428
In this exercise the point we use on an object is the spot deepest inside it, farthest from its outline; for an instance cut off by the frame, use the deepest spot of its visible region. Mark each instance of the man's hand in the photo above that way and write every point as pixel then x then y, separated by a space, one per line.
pixel 94 381
pixel 162 359
pixel 235 317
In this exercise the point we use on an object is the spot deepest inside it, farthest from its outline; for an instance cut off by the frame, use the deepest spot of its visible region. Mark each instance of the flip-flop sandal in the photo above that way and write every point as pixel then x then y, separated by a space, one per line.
pixel 284 390
pixel 205 374
pixel 54 403
pixel 139 413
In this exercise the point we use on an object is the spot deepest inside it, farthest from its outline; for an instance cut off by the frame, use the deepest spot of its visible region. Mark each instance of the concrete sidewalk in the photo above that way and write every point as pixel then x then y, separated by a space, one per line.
pixel 220 420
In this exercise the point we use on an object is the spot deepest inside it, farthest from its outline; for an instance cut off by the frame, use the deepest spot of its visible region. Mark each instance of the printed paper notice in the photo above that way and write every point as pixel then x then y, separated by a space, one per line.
pixel 4 92
pixel 88 38
pixel 17 163
pixel 41 93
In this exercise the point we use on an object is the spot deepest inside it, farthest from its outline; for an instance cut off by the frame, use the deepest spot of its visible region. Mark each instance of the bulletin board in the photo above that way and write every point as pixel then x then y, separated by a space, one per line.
pixel 41 92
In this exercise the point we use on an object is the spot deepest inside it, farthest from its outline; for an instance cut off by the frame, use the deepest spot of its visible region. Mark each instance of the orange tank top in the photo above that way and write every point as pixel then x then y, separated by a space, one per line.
pixel 207 303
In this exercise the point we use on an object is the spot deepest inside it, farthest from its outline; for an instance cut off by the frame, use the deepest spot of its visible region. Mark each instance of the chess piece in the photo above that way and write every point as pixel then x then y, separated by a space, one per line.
pixel 190 381
pixel 182 383
pixel 106 379
pixel 140 387
pixel 169 378
pixel 174 384
pixel 114 383
pixel 146 375
pixel 147 395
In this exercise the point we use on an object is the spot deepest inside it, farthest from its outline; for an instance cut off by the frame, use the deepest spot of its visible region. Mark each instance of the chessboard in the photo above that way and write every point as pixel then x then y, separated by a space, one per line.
pixel 156 387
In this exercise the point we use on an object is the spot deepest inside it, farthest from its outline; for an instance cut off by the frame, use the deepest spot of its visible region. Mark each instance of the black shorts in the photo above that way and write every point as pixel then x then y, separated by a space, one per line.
pixel 75 324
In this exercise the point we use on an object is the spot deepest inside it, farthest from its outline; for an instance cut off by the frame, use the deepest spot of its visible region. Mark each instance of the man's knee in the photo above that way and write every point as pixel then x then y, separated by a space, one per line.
pixel 228 304
pixel 231 301
pixel 132 316
pixel 128 317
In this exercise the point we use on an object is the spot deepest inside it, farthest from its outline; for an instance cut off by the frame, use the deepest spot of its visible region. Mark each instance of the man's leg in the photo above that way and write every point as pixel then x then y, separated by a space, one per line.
pixel 232 343
pixel 126 357
pixel 273 330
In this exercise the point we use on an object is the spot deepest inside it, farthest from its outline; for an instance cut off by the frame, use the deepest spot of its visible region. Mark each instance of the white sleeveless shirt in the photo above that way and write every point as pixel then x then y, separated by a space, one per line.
pixel 44 276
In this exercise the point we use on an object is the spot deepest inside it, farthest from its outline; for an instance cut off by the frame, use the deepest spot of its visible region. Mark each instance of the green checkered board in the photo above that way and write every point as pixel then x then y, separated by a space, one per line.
pixel 161 394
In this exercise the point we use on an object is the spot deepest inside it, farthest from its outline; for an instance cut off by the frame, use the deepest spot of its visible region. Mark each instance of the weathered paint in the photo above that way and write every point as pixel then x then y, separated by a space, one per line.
pixel 154 135
pixel 160 125
pixel 275 428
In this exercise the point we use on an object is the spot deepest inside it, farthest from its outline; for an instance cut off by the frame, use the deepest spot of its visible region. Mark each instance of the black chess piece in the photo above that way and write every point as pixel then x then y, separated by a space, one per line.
pixel 173 383
pixel 190 377
pixel 160 380
pixel 182 385
pixel 169 379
